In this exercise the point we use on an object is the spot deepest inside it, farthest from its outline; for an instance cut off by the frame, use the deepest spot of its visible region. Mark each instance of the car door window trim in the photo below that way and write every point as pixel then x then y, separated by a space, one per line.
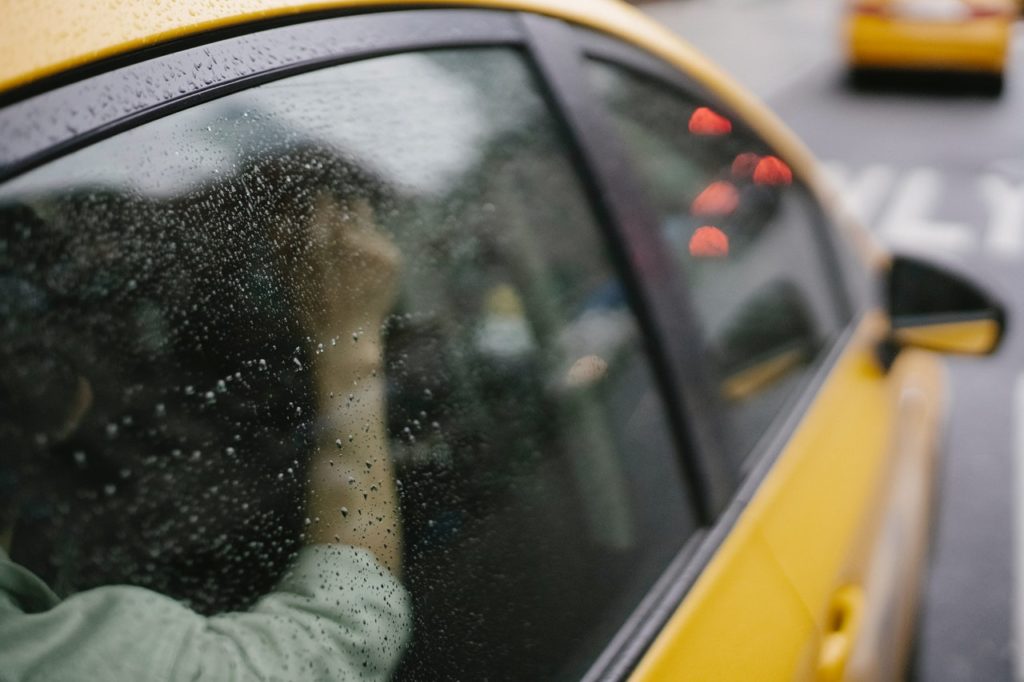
pixel 49 124
pixel 658 294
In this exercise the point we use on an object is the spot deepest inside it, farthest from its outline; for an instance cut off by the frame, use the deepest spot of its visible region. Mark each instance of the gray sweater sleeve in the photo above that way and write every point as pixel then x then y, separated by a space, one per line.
pixel 338 615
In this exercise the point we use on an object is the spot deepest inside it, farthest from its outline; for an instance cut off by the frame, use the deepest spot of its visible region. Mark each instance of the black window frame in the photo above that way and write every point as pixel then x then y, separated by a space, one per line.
pixel 564 50
pixel 604 49
pixel 58 115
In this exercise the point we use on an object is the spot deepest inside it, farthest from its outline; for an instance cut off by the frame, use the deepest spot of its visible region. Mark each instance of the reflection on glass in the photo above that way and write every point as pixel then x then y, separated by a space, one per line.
pixel 324 379
pixel 745 240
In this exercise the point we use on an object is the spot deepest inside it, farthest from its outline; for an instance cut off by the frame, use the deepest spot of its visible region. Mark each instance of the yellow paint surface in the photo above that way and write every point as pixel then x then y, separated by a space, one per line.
pixel 816 519
pixel 980 44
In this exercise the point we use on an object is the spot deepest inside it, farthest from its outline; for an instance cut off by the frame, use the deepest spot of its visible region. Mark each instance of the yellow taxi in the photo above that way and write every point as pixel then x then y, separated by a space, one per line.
pixel 478 339
pixel 961 36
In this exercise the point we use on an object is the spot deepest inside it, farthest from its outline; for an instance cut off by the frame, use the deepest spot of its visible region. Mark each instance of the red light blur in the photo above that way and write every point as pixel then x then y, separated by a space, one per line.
pixel 718 198
pixel 704 121
pixel 744 164
pixel 772 170
pixel 709 242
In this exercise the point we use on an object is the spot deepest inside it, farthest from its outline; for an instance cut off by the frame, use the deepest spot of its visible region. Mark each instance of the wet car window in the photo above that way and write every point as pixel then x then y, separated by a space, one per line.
pixel 743 231
pixel 365 308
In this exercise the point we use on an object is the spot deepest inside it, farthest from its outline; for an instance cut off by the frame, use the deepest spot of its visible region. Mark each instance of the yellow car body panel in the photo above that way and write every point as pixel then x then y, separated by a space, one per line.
pixel 971 45
pixel 846 504
pixel 743 620
pixel 815 525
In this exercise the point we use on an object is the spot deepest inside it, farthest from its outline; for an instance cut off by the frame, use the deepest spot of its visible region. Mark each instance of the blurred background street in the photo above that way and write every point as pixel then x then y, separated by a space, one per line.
pixel 937 172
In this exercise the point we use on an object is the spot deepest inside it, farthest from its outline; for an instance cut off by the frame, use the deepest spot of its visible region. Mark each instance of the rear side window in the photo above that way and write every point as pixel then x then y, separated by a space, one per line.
pixel 747 237
pixel 366 307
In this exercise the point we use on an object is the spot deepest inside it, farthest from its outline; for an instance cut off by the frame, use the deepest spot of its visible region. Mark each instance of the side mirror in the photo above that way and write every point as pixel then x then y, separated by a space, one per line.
pixel 935 309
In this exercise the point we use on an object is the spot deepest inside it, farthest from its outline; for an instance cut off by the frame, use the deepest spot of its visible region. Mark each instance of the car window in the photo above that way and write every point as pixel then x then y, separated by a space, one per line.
pixel 745 234
pixel 367 306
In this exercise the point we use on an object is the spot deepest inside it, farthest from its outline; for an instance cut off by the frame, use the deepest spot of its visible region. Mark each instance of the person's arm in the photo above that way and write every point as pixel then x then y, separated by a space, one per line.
pixel 340 613
pixel 352 497
pixel 337 615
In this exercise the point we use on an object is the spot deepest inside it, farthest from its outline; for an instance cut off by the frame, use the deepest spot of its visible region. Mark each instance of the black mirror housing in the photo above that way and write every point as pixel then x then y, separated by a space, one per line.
pixel 934 308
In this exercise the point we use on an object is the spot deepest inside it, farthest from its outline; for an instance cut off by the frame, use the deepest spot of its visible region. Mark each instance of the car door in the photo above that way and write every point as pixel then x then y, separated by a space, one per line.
pixel 420 192
pixel 574 497
pixel 834 451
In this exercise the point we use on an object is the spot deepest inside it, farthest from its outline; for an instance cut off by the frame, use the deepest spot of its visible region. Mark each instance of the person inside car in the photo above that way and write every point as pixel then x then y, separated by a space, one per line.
pixel 245 532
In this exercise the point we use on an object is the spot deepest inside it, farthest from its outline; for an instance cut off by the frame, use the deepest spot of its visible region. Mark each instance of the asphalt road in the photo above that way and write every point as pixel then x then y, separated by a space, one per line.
pixel 938 172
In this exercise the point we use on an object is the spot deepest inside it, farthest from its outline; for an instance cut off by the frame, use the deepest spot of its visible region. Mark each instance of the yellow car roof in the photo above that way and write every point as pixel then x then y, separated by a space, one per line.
pixel 42 37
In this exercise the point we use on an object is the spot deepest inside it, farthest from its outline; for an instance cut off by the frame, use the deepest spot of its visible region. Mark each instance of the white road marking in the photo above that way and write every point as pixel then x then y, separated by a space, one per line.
pixel 900 207
pixel 907 222
pixel 1005 203
pixel 864 190
pixel 1018 517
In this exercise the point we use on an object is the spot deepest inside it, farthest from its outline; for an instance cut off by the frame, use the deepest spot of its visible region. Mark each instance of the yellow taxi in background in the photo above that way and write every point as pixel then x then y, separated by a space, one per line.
pixel 968 36
pixel 475 339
